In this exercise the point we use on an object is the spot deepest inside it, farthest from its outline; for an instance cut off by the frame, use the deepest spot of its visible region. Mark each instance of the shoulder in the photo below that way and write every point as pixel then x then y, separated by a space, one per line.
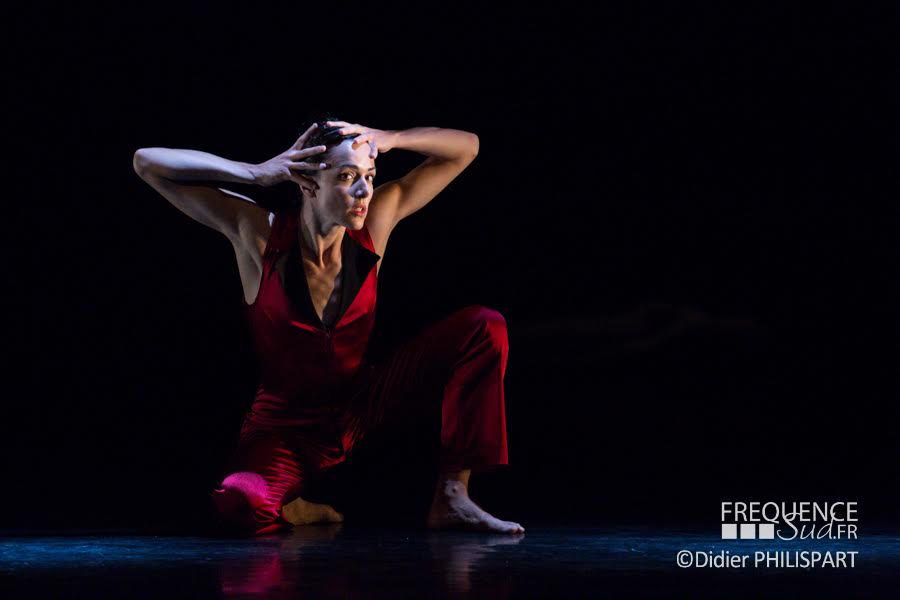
pixel 258 232
pixel 382 215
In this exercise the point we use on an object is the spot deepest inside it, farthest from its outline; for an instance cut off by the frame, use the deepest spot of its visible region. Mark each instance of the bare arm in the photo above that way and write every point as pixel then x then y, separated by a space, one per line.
pixel 187 165
pixel 182 177
pixel 449 152
pixel 170 172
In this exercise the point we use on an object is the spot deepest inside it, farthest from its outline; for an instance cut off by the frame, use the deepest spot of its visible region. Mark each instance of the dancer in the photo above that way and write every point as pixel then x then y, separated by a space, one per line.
pixel 309 273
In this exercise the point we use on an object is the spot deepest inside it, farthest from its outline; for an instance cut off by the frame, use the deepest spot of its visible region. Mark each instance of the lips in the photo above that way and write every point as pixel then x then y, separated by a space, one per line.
pixel 359 211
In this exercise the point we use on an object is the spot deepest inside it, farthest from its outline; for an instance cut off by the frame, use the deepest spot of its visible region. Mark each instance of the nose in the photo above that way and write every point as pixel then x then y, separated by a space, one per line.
pixel 361 191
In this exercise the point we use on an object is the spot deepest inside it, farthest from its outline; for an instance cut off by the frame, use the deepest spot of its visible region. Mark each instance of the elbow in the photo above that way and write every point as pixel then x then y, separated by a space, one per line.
pixel 473 146
pixel 140 162
pixel 145 162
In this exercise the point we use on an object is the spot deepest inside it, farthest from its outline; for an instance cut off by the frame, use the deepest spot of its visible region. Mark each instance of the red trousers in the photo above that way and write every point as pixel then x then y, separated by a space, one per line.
pixel 453 368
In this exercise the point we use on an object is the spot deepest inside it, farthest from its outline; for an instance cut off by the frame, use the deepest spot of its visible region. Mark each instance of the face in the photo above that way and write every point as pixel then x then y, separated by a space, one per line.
pixel 345 187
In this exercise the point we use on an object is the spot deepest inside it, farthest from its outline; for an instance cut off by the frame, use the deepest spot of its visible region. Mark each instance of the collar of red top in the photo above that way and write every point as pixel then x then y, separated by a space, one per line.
pixel 357 262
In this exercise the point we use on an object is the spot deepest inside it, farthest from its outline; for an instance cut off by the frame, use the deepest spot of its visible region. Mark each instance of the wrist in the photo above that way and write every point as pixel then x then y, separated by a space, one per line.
pixel 253 171
pixel 396 138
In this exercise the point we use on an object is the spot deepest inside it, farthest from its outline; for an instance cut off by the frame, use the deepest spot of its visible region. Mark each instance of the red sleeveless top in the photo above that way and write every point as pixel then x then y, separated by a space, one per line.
pixel 307 366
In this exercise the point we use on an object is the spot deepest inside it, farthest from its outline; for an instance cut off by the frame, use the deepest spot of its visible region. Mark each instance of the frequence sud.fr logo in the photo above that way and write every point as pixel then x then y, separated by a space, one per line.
pixel 789 520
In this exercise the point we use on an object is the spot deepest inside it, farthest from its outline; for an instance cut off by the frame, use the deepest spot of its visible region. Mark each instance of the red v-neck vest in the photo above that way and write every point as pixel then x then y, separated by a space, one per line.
pixel 305 366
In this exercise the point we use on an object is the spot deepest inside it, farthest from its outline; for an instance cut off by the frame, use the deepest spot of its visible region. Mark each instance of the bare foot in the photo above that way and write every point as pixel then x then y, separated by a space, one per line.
pixel 301 512
pixel 453 509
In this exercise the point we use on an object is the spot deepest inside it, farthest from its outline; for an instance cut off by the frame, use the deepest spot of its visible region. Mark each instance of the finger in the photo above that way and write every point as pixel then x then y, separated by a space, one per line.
pixel 295 154
pixel 347 128
pixel 305 135
pixel 337 123
pixel 308 165
pixel 374 149
pixel 360 140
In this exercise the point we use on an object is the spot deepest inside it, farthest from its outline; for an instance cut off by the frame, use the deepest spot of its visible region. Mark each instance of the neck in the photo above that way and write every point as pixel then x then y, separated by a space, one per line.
pixel 319 240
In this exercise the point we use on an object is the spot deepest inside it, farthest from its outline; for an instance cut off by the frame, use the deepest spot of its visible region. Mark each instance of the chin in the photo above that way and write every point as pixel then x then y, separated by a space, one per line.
pixel 355 223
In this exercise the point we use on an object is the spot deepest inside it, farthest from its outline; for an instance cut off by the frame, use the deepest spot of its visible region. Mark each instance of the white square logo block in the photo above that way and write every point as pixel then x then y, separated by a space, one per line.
pixel 767 531
pixel 748 531
pixel 729 531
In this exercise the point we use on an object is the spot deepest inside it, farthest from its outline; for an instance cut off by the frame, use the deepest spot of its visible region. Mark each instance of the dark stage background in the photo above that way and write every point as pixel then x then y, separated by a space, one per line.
pixel 680 211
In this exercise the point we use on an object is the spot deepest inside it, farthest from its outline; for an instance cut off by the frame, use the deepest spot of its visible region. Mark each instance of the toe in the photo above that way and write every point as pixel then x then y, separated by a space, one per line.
pixel 516 528
pixel 332 515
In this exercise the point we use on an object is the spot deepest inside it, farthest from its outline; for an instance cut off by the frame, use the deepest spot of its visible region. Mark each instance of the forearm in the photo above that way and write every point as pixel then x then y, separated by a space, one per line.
pixel 444 144
pixel 192 165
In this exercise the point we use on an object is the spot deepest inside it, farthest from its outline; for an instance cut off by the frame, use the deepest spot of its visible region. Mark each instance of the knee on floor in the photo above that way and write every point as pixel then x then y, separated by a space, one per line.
pixel 236 499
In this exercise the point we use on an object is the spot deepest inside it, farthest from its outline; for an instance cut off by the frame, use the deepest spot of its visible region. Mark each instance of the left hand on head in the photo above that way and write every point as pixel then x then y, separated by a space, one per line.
pixel 378 140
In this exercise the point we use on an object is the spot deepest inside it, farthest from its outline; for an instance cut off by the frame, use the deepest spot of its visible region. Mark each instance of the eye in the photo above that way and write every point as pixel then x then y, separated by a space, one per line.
pixel 351 174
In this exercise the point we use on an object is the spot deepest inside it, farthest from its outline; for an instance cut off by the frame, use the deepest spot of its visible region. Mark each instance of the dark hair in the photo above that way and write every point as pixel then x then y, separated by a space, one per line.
pixel 322 136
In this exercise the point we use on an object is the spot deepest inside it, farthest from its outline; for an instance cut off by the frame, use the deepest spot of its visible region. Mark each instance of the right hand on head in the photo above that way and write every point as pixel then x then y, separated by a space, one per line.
pixel 284 166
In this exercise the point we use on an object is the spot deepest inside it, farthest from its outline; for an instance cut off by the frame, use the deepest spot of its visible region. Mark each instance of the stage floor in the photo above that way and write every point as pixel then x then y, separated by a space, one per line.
pixel 345 561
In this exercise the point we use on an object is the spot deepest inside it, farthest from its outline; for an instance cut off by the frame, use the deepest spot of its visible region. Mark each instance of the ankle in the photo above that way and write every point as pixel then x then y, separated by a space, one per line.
pixel 461 476
pixel 448 489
